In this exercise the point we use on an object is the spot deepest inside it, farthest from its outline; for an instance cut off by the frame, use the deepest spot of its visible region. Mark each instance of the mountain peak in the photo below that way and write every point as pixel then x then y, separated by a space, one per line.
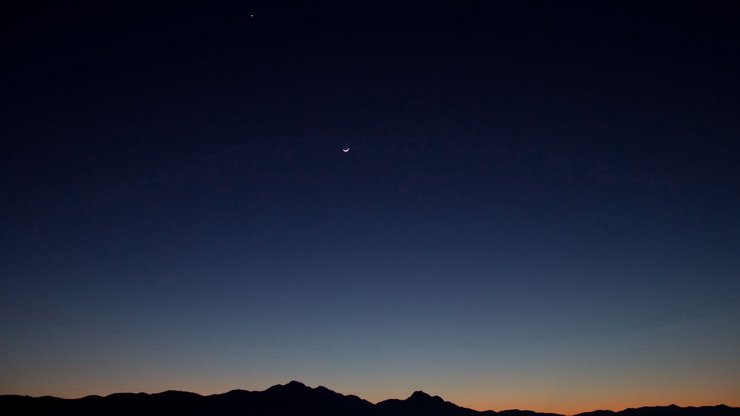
pixel 419 395
pixel 293 386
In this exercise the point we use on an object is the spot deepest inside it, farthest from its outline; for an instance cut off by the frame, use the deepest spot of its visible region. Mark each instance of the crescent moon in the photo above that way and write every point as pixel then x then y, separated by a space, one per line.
pixel 345 149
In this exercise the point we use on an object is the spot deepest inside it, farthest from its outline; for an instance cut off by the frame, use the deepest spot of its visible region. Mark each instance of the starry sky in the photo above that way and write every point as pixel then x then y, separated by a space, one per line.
pixel 539 208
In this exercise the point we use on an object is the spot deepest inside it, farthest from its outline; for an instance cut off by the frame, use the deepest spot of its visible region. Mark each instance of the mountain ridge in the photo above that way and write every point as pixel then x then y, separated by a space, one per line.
pixel 296 398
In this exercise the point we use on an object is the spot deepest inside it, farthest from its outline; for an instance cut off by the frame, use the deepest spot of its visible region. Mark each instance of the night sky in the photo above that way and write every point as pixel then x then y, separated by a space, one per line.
pixel 540 207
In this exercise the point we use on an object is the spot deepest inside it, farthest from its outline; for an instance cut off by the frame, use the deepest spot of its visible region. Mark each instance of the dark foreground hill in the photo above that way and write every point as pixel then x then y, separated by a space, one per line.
pixel 294 399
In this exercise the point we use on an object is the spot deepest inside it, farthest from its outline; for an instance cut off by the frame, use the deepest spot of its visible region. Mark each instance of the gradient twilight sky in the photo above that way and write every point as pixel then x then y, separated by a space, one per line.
pixel 539 209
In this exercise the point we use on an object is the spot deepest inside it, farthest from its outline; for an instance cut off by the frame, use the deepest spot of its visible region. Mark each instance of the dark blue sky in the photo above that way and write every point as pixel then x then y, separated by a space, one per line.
pixel 538 210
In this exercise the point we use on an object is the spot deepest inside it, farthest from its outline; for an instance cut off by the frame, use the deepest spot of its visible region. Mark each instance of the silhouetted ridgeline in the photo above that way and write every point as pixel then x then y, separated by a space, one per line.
pixel 293 398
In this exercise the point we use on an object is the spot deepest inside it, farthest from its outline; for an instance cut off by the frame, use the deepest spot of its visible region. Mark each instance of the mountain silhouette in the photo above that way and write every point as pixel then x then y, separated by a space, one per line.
pixel 421 403
pixel 292 399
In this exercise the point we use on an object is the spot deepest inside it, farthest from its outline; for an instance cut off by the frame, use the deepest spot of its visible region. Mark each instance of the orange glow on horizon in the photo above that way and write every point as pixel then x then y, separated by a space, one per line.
pixel 561 402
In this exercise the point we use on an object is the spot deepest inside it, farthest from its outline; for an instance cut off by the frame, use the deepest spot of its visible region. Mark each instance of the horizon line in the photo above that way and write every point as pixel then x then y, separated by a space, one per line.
pixel 674 404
